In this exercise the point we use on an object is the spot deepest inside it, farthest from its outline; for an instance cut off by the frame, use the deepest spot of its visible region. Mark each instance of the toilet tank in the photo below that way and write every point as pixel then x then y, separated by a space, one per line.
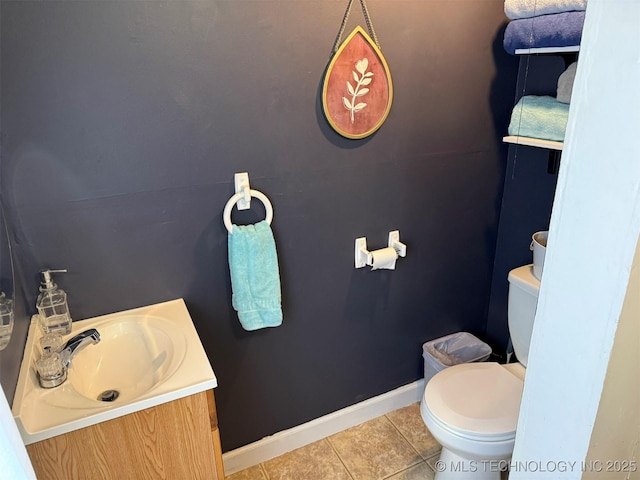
pixel 523 297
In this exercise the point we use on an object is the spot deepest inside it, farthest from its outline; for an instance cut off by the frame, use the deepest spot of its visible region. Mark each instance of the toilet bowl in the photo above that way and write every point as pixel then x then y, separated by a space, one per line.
pixel 472 409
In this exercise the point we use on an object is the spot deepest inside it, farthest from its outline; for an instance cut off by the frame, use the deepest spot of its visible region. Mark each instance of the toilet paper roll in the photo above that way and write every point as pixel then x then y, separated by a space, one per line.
pixel 385 258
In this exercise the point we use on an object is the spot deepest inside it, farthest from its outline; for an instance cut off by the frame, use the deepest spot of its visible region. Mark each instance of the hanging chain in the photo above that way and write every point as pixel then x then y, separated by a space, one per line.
pixel 345 19
pixel 367 19
pixel 343 25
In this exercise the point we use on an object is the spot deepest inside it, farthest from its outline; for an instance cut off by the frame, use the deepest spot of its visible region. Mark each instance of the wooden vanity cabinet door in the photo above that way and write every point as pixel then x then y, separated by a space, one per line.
pixel 170 441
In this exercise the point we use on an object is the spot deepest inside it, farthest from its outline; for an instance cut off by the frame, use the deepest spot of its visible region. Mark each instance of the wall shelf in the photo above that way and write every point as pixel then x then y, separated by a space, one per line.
pixel 533 142
pixel 531 51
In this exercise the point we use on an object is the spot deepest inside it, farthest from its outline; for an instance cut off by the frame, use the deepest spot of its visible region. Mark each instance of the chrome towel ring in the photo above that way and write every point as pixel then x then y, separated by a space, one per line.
pixel 245 195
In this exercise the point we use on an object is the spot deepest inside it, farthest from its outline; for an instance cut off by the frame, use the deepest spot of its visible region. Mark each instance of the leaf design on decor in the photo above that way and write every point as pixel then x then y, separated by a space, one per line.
pixel 361 81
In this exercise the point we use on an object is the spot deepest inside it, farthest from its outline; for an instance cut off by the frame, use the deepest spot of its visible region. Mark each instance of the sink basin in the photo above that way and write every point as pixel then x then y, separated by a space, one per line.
pixel 145 357
pixel 135 354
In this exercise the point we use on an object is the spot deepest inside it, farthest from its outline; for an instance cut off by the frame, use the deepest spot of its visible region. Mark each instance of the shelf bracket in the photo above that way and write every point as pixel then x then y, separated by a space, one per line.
pixel 554 161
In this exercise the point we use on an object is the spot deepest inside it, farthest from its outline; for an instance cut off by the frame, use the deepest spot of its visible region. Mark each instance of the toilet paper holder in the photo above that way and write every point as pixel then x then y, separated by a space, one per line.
pixel 363 256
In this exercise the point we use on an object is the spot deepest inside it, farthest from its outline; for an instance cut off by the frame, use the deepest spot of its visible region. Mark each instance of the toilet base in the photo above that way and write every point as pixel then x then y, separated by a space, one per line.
pixel 454 467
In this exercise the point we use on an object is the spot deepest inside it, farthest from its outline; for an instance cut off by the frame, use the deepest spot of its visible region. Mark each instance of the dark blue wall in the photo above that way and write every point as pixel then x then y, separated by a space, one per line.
pixel 124 122
pixel 528 195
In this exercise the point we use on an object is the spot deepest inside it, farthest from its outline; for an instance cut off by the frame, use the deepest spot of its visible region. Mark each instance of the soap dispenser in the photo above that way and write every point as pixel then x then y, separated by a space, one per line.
pixel 52 306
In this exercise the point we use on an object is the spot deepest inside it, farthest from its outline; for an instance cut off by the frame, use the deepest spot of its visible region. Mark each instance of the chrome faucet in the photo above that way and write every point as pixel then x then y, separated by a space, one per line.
pixel 52 366
pixel 77 343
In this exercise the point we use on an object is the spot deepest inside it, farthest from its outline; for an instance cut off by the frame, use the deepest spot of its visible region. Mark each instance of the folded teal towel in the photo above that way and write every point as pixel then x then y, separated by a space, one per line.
pixel 255 278
pixel 539 117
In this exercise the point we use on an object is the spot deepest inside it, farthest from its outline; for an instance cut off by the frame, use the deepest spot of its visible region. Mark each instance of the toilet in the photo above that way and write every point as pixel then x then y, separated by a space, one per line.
pixel 472 409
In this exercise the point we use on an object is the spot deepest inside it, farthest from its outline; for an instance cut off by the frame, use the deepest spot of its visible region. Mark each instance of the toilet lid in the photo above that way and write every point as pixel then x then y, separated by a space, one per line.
pixel 482 398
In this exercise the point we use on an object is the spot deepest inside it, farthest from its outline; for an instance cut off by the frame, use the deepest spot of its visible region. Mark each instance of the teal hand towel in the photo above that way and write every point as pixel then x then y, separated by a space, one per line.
pixel 255 277
pixel 539 117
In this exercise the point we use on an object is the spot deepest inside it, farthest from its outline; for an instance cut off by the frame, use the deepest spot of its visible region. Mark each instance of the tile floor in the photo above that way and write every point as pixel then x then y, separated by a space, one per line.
pixel 395 446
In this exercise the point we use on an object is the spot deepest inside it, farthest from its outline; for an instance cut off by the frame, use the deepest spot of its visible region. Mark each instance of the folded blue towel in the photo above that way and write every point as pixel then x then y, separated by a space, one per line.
pixel 255 278
pixel 515 9
pixel 539 117
pixel 556 30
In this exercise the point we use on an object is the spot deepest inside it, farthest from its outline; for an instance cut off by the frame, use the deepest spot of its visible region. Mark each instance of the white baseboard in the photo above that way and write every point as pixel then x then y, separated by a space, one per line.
pixel 296 437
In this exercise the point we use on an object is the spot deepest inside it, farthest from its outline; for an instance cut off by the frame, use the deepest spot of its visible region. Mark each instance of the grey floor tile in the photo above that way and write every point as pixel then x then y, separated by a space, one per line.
pixel 420 471
pixel 410 424
pixel 316 461
pixel 251 473
pixel 374 450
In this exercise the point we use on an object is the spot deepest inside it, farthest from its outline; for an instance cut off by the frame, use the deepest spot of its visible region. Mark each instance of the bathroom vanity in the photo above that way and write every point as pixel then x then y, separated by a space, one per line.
pixel 175 440
pixel 158 419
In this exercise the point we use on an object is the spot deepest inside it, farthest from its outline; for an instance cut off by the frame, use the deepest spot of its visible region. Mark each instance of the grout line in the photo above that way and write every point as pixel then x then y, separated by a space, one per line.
pixel 418 456
pixel 339 458
pixel 405 438
pixel 264 471
pixel 408 468
pixel 431 458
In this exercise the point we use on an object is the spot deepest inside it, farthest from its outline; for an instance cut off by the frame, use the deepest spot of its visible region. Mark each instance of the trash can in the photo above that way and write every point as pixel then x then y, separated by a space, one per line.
pixel 461 347
pixel 538 247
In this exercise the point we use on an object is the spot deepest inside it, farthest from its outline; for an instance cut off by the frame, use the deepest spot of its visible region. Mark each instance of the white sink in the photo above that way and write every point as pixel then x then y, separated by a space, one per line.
pixel 149 355
pixel 136 353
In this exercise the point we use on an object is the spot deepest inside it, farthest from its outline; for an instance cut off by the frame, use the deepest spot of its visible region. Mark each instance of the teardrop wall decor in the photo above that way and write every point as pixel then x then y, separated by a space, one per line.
pixel 357 90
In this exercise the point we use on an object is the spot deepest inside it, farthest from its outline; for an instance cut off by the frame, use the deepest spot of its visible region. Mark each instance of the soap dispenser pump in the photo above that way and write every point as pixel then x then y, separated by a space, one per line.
pixel 52 306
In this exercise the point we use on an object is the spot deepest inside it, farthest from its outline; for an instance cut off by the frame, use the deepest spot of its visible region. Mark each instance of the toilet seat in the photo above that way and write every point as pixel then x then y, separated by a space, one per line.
pixel 477 401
